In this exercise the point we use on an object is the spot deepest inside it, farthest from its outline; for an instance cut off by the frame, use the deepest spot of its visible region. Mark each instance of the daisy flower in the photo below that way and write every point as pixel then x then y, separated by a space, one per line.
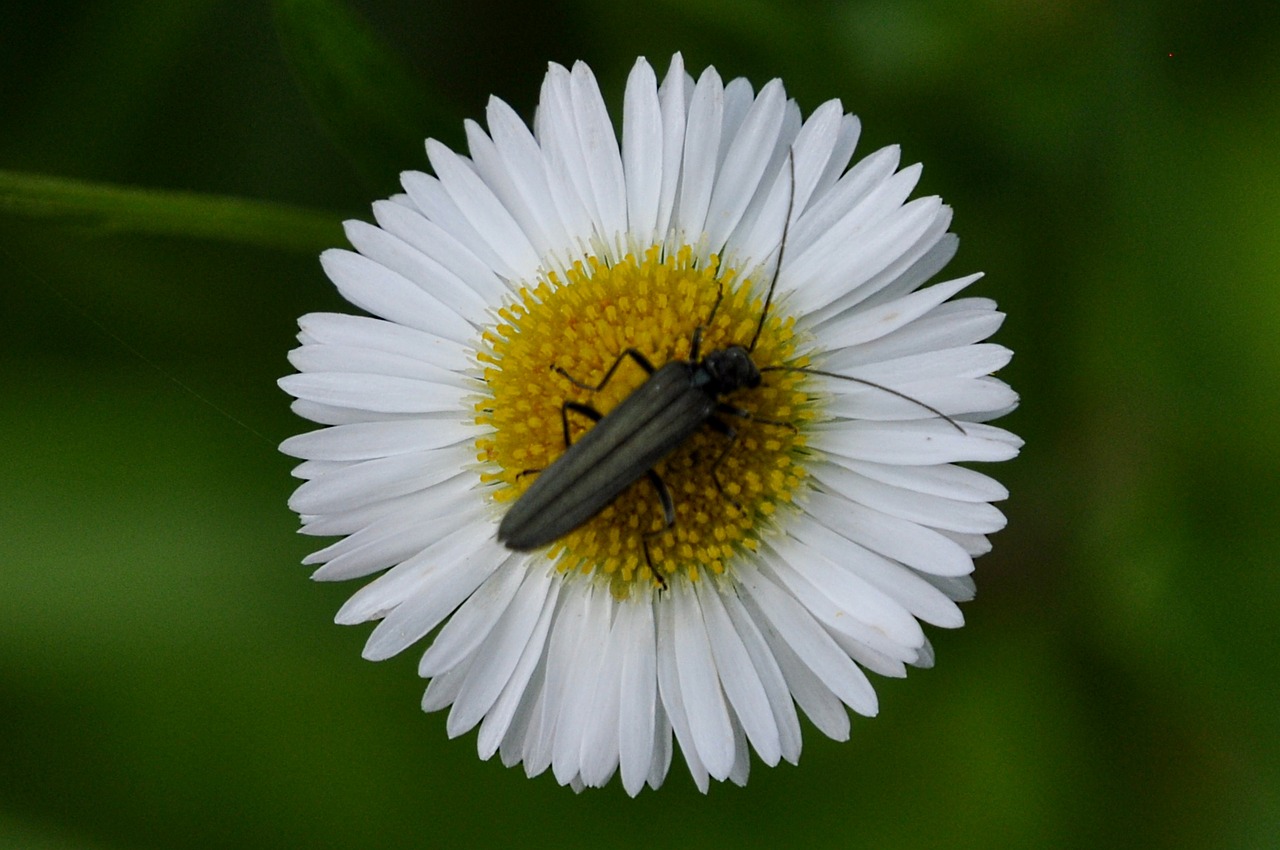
pixel 789 558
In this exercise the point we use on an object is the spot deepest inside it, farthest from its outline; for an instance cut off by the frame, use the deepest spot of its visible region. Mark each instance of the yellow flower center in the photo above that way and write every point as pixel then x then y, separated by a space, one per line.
pixel 724 491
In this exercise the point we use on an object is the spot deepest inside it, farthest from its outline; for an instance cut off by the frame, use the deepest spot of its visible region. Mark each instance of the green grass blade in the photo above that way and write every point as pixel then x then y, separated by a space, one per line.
pixel 124 209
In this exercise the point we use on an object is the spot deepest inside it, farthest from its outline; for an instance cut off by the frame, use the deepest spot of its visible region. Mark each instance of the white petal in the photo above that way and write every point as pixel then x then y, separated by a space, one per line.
pixel 389 536
pixel 638 720
pixel 397 537
pixel 367 440
pixel 642 159
pixel 741 770
pixel 934 511
pixel 391 296
pixel 602 733
pixel 435 203
pixel 780 703
pixel 917 245
pixel 443 690
pixel 479 287
pixel 497 661
pixel 810 642
pixel 663 750
pixel 368 481
pixel 951 325
pixel 853 188
pixel 969 361
pixel 506 719
pixel 738 676
pixel 567 637
pixel 902 584
pixel 816 700
pixel 926 658
pixel 975 544
pixel 601 157
pixel 818 147
pixel 556 133
pixel 673 96
pixel 874 660
pixel 421 268
pixel 375 599
pixel 468 563
pixel 474 620
pixel 394 515
pixel 358 362
pixel 700 686
pixel 315 468
pixel 378 335
pixel 483 211
pixel 751 148
pixel 564 221
pixel 862 245
pixel 915 254
pixel 921 265
pixel 846 140
pixel 516 741
pixel 973 399
pixel 923 443
pixel 855 327
pixel 580 681
pixel 760 231
pixel 918 547
pixel 673 699
pixel 529 214
pixel 959 588
pixel 738 97
pixel 401 533
pixel 326 414
pixel 856 640
pixel 842 600
pixel 701 150
pixel 945 481
pixel 375 393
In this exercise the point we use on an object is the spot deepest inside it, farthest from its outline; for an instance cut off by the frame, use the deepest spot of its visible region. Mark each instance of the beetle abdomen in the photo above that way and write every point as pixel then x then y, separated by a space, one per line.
pixel 643 429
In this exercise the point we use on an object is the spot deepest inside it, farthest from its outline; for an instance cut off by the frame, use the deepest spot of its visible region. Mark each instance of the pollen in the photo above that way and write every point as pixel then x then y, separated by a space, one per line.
pixel 726 492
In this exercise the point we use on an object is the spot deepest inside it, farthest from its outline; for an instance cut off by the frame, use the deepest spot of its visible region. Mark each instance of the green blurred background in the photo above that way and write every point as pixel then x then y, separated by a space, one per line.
pixel 169 677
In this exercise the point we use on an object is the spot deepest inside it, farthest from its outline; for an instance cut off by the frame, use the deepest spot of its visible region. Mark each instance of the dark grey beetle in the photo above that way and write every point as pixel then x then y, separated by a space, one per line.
pixel 645 427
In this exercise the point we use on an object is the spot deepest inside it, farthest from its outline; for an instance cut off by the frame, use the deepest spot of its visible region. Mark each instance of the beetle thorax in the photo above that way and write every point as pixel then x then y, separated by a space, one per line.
pixel 730 369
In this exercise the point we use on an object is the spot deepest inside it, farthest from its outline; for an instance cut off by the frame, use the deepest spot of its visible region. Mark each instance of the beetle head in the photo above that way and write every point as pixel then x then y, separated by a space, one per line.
pixel 730 369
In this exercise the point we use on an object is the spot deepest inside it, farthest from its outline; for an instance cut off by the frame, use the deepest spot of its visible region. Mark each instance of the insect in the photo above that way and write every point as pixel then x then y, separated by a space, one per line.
pixel 675 401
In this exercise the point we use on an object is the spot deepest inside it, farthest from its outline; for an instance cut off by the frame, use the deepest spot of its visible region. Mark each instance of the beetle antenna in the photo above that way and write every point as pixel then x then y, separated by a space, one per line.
pixel 695 347
pixel 890 390
pixel 782 250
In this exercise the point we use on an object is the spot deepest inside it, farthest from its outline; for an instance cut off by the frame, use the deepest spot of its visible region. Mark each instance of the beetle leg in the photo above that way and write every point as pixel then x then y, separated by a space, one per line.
pixel 730 410
pixel 668 523
pixel 577 407
pixel 668 505
pixel 732 433
pixel 633 353
pixel 695 347
pixel 585 409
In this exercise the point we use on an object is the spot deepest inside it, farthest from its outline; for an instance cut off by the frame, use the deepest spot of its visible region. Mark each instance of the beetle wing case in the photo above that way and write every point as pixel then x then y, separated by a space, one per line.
pixel 644 428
